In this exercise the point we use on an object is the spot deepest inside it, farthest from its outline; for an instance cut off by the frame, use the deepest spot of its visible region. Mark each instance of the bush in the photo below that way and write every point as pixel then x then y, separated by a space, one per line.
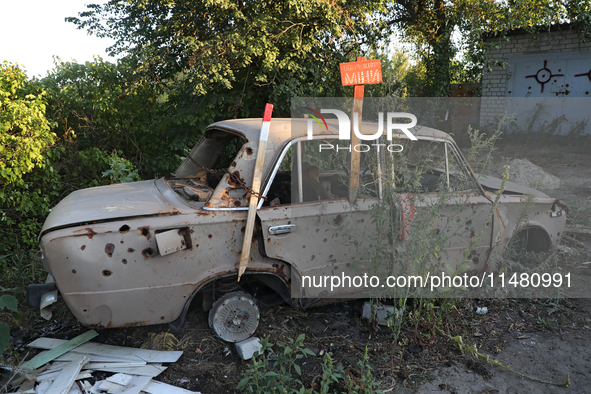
pixel 275 373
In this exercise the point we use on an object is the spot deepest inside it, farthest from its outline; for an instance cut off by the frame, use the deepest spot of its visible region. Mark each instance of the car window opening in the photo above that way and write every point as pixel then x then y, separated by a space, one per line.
pixel 205 165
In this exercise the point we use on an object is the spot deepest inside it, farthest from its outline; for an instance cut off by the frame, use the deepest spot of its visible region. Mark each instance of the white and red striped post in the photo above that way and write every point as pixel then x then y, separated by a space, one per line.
pixel 256 185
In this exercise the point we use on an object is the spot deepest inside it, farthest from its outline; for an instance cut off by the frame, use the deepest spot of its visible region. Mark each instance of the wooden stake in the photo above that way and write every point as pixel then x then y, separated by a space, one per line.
pixel 355 156
pixel 256 185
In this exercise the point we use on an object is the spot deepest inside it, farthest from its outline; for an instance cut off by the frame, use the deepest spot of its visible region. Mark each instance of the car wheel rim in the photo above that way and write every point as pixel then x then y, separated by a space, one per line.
pixel 235 319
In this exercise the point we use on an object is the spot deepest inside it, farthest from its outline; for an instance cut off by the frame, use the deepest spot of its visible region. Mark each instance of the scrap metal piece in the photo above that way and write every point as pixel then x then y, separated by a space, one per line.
pixel 54 353
pixel 47 300
pixel 170 242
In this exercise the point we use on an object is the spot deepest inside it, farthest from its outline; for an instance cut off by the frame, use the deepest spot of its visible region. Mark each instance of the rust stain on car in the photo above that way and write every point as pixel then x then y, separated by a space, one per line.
pixel 279 269
pixel 235 180
pixel 144 231
pixel 87 232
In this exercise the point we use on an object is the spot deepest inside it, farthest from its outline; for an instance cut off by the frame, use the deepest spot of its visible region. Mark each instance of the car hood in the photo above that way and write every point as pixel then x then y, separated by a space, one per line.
pixel 102 203
pixel 492 182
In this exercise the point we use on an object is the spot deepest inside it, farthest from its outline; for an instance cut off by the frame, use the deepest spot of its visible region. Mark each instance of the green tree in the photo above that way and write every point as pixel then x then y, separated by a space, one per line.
pixel 25 133
pixel 397 69
pixel 223 59
pixel 100 108
pixel 25 146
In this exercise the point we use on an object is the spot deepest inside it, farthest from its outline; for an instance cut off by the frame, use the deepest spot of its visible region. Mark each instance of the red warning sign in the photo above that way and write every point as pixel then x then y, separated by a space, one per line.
pixel 362 72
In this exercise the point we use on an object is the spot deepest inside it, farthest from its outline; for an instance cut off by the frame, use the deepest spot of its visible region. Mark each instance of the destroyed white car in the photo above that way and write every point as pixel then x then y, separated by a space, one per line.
pixel 140 253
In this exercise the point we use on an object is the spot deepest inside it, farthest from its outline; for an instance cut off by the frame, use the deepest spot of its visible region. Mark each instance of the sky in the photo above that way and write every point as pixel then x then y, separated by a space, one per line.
pixel 33 31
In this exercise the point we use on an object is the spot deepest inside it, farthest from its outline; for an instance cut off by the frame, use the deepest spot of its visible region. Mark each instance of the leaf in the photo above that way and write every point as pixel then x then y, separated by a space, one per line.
pixel 9 302
pixel 4 336
pixel 243 382
pixel 271 374
pixel 308 352
pixel 297 369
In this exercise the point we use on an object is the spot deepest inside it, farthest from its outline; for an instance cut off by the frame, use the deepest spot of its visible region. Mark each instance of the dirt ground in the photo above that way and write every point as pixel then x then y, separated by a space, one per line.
pixel 544 339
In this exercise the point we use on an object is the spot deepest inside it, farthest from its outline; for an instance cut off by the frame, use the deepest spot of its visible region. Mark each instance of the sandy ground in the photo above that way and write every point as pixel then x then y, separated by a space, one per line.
pixel 546 355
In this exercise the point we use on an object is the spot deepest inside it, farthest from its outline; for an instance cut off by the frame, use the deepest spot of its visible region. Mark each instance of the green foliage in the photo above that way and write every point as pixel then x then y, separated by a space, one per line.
pixel 222 59
pixel 29 182
pixel 121 170
pixel 396 69
pixel 275 373
pixel 366 384
pixel 104 106
pixel 25 203
pixel 330 375
pixel 10 303
pixel 24 131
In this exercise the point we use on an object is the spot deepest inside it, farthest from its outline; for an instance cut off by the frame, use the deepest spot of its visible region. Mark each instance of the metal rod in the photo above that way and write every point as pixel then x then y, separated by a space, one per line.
pixel 299 166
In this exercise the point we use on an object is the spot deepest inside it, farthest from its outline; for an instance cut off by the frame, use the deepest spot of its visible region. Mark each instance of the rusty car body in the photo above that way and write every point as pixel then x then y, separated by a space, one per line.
pixel 140 253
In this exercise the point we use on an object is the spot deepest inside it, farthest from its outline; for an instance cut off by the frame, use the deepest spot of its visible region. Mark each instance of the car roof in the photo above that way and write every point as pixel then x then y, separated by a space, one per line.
pixel 283 130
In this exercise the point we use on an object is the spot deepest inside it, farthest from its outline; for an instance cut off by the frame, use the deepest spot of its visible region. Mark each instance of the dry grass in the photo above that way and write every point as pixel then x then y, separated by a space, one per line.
pixel 160 341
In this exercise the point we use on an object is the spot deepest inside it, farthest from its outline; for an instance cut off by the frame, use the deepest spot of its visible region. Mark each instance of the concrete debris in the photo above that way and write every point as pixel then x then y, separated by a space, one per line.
pixel 248 347
pixel 382 313
pixel 526 173
pixel 68 366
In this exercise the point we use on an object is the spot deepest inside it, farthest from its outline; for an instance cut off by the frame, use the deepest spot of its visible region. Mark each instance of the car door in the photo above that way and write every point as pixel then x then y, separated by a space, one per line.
pixel 450 215
pixel 310 226
pixel 444 222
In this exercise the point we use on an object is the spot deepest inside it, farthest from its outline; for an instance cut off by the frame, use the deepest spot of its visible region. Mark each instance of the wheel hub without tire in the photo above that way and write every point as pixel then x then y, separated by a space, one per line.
pixel 234 317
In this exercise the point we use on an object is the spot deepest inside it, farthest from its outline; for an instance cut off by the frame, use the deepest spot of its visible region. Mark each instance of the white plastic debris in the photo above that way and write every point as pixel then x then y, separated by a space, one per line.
pixel 381 313
pixel 63 368
pixel 481 311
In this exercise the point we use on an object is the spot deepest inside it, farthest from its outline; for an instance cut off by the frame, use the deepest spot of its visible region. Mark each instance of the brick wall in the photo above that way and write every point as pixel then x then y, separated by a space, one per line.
pixel 494 82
